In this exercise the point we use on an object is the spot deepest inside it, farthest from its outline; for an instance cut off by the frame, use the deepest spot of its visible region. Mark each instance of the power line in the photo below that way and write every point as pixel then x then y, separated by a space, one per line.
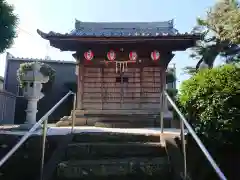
pixel 30 34
pixel 34 36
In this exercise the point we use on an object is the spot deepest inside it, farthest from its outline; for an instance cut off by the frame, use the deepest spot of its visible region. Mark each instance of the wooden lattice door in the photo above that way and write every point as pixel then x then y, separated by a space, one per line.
pixel 121 90
pixel 130 89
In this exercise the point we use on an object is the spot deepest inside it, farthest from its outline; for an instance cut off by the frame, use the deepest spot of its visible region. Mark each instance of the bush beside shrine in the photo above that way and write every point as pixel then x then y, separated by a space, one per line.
pixel 211 99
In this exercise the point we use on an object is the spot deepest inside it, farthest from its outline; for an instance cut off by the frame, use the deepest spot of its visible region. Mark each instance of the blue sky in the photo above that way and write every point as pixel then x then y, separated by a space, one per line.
pixel 59 16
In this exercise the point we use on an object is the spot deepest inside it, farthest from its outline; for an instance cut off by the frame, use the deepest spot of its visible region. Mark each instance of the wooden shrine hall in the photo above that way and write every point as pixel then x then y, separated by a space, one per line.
pixel 121 69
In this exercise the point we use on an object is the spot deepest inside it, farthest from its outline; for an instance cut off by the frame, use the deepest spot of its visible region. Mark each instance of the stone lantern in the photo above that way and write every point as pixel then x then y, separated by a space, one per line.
pixel 33 80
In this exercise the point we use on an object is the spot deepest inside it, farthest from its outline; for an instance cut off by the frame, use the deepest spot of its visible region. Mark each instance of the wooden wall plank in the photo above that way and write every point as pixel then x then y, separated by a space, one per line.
pixel 101 91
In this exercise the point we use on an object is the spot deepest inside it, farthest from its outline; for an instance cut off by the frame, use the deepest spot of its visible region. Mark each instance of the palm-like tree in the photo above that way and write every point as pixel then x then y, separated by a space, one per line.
pixel 207 50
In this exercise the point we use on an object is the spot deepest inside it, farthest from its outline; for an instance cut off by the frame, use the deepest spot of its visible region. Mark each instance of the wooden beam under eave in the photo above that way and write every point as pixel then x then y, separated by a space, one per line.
pixel 105 45
pixel 125 38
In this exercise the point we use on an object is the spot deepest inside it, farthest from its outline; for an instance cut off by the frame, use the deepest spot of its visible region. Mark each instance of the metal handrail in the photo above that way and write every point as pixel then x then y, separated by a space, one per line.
pixel 31 131
pixel 73 112
pixel 196 138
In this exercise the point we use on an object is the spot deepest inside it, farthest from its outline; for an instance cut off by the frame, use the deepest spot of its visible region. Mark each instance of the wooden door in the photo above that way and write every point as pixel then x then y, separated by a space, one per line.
pixel 121 90
pixel 130 89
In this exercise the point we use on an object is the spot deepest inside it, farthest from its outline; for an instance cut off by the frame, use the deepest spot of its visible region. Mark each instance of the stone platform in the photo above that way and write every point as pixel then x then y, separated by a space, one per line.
pixel 55 130
pixel 117 118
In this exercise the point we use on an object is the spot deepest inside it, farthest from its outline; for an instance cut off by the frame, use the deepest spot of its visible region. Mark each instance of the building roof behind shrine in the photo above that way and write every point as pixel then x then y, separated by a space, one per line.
pixel 118 29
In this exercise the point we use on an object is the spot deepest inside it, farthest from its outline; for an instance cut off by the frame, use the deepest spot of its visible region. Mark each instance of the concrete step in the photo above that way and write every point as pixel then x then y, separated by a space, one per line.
pixel 121 167
pixel 115 118
pixel 109 122
pixel 114 137
pixel 87 146
pixel 84 151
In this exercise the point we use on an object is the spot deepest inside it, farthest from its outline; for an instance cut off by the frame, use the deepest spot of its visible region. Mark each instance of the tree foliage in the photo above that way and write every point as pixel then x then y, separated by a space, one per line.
pixel 220 31
pixel 206 50
pixel 8 23
pixel 211 99
pixel 223 18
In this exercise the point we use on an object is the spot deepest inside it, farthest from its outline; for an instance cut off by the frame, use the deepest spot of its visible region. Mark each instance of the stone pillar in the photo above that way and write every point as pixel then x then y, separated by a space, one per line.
pixel 31 111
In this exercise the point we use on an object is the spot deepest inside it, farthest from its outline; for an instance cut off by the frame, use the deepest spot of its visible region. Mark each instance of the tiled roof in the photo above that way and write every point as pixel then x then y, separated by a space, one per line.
pixel 119 29
pixel 123 28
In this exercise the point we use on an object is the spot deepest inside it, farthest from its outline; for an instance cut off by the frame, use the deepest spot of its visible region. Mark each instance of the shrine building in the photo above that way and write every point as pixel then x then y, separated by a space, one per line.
pixel 121 68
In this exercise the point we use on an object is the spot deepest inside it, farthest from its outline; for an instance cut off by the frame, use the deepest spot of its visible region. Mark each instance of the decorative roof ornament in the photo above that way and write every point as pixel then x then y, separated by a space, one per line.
pixel 171 23
pixel 78 24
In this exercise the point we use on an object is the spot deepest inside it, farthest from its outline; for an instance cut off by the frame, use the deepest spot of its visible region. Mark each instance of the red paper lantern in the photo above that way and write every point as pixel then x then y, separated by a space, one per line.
pixel 133 56
pixel 88 55
pixel 155 55
pixel 111 55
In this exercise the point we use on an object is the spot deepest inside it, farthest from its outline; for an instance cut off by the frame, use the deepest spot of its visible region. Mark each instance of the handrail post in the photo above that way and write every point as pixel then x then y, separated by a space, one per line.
pixel 73 112
pixel 183 150
pixel 44 135
pixel 161 112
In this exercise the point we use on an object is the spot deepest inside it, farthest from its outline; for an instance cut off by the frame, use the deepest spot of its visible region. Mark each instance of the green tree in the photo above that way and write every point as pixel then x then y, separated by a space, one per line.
pixel 206 51
pixel 211 99
pixel 7 26
pixel 224 19
pixel 220 35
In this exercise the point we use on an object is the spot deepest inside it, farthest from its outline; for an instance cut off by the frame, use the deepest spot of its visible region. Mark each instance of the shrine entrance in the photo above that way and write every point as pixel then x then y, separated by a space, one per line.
pixel 129 86
pixel 122 90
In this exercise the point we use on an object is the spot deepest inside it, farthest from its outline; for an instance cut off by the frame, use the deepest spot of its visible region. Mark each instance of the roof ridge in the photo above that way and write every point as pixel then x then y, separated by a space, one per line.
pixel 99 22
pixel 143 25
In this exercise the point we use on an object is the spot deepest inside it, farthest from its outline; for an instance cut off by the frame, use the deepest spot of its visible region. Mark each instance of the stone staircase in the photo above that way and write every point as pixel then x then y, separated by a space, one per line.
pixel 90 155
pixel 115 119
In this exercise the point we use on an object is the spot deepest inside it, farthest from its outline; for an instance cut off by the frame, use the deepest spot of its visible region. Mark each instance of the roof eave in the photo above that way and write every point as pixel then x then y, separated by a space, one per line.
pixel 42 34
pixel 57 36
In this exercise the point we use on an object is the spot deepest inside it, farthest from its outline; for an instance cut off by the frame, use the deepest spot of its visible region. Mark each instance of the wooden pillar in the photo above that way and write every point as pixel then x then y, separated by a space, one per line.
pixel 141 99
pixel 102 86
pixel 162 97
pixel 80 86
